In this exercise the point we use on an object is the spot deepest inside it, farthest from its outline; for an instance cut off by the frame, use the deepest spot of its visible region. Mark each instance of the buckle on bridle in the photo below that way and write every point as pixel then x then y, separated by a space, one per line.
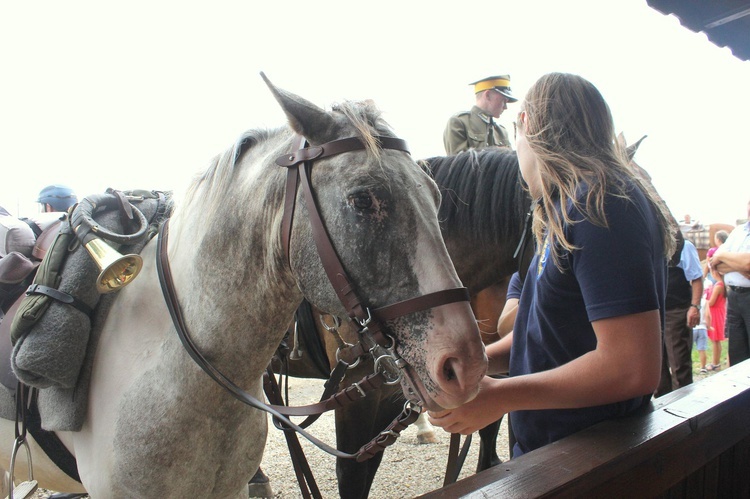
pixel 365 322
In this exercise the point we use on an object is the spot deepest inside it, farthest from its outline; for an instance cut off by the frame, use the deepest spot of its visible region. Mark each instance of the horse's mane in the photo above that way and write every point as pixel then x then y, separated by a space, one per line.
pixel 482 193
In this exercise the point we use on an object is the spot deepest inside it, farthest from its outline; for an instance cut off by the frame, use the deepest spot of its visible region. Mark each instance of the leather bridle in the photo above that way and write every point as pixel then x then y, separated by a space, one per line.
pixel 369 321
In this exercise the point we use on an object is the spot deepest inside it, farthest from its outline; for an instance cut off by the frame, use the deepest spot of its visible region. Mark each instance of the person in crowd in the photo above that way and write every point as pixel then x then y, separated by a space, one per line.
pixel 586 343
pixel 687 224
pixel 732 260
pixel 716 314
pixel 56 197
pixel 683 305
pixel 53 201
pixel 477 128
pixel 719 238
pixel 700 338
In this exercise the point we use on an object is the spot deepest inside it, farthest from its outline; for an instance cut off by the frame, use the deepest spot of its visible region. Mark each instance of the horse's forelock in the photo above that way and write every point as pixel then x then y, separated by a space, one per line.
pixel 366 119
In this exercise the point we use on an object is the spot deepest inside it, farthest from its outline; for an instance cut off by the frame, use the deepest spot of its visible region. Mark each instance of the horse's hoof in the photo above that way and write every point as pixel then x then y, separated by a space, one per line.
pixel 259 486
pixel 426 438
pixel 259 490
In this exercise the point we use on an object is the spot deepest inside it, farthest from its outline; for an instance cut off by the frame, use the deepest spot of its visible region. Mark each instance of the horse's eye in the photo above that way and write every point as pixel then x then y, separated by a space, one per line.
pixel 361 200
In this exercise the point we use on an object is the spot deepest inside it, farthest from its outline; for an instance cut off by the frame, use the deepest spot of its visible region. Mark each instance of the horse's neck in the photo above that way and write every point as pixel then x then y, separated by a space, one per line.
pixel 236 305
pixel 230 275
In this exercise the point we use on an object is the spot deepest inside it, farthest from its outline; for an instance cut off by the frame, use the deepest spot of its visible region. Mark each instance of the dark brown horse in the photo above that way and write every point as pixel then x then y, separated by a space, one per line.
pixel 482 214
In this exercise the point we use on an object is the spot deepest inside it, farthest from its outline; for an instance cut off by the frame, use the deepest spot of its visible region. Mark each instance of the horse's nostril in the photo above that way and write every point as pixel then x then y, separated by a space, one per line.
pixel 449 373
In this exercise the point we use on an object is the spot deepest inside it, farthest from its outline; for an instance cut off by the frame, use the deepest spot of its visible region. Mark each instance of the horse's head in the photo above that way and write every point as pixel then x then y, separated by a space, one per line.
pixel 380 212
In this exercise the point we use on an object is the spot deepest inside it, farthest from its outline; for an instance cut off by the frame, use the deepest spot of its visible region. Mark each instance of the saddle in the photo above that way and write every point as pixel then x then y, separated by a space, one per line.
pixel 22 249
pixel 17 271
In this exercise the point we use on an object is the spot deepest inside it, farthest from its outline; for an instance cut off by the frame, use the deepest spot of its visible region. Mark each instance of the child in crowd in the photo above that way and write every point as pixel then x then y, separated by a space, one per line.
pixel 700 334
pixel 719 238
pixel 717 315
pixel 700 338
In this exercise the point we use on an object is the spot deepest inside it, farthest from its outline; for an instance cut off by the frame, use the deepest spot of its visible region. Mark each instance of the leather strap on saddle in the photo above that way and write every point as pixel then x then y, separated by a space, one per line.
pixel 62 297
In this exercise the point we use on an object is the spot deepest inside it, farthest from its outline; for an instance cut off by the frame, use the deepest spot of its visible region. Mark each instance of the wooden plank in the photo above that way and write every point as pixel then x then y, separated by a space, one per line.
pixel 643 455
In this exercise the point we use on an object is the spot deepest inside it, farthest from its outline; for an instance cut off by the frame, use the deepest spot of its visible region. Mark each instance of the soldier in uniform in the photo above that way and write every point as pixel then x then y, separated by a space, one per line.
pixel 477 129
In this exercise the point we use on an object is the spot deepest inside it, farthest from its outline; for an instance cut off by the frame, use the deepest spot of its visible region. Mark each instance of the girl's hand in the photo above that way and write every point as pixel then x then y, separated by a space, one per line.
pixel 472 416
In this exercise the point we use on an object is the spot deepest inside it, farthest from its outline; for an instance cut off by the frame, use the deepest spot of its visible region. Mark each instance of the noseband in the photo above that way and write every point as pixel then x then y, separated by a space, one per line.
pixel 369 321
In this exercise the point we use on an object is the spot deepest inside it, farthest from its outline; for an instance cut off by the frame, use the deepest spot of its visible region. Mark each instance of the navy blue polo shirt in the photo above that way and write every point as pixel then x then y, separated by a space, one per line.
pixel 616 271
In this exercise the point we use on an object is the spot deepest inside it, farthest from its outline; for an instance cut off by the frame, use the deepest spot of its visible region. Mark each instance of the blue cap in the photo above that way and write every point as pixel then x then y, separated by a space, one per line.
pixel 59 197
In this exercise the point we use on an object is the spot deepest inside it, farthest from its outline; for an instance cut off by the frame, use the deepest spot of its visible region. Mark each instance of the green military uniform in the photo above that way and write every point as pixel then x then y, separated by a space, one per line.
pixel 473 129
pixel 476 129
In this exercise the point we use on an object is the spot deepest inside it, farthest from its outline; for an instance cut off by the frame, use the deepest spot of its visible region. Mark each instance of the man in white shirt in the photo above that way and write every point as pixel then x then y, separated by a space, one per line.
pixel 732 259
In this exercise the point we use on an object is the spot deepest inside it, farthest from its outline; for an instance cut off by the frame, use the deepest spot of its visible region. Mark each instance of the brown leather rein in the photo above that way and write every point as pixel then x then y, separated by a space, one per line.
pixel 370 322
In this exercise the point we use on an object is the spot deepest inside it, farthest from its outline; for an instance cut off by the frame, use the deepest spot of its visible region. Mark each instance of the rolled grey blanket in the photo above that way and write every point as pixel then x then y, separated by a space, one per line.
pixel 51 353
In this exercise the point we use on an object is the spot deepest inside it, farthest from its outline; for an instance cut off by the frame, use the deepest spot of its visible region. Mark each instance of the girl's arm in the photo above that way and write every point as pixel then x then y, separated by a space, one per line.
pixel 626 363
pixel 716 291
pixel 507 317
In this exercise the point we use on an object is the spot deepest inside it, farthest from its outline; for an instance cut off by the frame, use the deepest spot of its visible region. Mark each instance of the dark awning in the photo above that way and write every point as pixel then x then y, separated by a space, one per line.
pixel 725 22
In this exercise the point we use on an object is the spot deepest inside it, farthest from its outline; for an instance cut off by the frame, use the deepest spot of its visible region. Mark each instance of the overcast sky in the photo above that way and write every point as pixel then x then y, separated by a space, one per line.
pixel 142 94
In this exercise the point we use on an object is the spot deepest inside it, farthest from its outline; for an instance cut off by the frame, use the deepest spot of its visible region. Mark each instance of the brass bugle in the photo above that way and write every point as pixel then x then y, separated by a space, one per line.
pixel 117 270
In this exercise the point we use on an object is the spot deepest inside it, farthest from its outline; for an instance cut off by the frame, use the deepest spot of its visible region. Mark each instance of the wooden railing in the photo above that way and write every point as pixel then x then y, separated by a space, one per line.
pixel 694 442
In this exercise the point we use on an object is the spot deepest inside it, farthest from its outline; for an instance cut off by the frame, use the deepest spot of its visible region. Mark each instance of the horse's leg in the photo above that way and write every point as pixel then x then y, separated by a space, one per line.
pixel 259 485
pixel 356 425
pixel 488 446
pixel 425 431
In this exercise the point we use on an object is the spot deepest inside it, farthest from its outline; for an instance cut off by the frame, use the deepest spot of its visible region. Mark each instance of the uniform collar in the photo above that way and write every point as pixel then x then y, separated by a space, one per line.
pixel 481 113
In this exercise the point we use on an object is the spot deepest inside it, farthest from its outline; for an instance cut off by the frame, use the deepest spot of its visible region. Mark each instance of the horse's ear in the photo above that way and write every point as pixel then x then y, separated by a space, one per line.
pixel 632 149
pixel 304 117
pixel 621 140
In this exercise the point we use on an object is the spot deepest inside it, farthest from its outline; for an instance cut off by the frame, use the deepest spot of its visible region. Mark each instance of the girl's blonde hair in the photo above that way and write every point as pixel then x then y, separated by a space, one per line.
pixel 570 128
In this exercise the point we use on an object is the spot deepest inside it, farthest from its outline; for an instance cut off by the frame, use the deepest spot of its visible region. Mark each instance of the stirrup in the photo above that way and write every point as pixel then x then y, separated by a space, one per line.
pixel 25 489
